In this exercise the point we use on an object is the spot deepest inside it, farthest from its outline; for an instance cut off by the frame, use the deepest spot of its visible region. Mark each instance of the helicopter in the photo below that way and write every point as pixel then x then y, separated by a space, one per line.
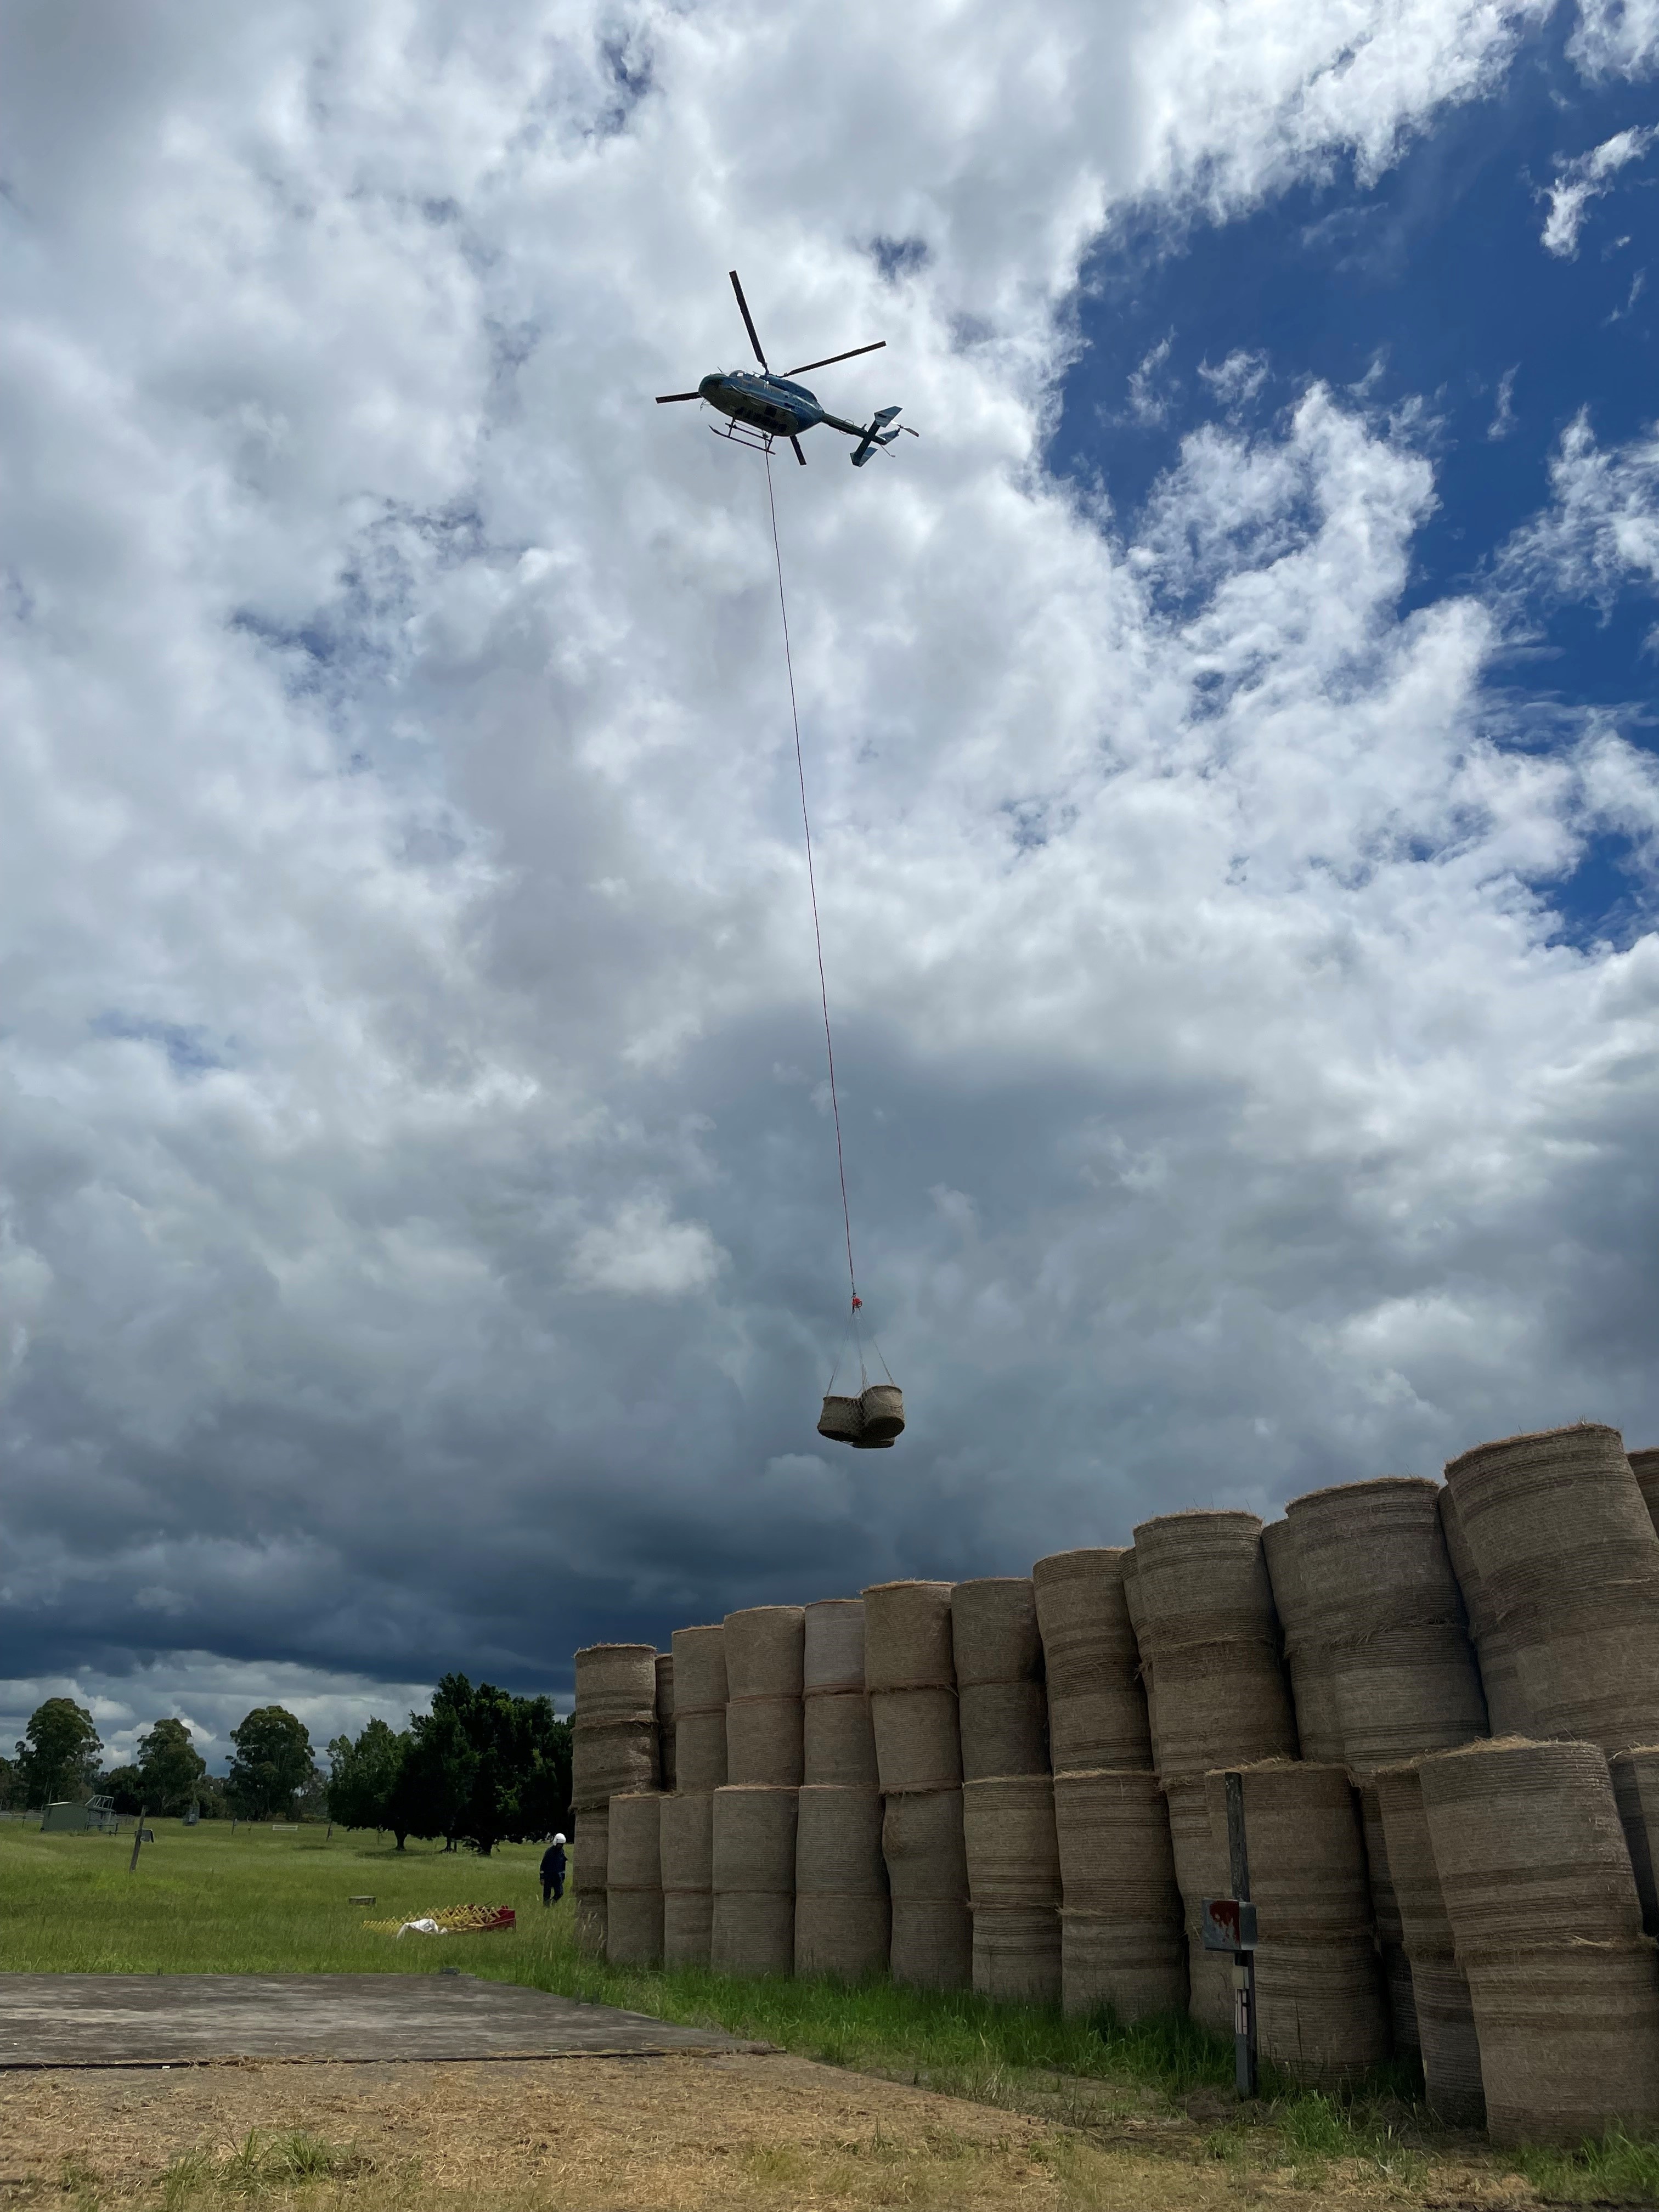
pixel 766 407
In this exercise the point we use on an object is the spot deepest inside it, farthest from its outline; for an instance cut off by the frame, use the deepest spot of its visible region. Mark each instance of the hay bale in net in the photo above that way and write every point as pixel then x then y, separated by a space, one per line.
pixel 616 1682
pixel 1013 1886
pixel 1635 1776
pixel 633 1909
pixel 687 1840
pixel 1321 2009
pixel 765 1651
pixel 699 1707
pixel 842 1924
pixel 1568 1559
pixel 922 1848
pixel 1385 1907
pixel 590 1853
pixel 907 1636
pixel 665 1718
pixel 1201 1870
pixel 1002 1710
pixel 1445 2017
pixel 1542 1900
pixel 1205 1619
pixel 1645 1465
pixel 1384 1606
pixel 838 1746
pixel 1494 1646
pixel 1313 1693
pixel 753 1929
pixel 917 1744
pixel 609 1759
pixel 1121 1938
pixel 1097 1707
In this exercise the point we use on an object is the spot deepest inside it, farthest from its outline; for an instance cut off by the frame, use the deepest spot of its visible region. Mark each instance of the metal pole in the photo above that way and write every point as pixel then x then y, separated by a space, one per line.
pixel 1244 2053
pixel 137 1838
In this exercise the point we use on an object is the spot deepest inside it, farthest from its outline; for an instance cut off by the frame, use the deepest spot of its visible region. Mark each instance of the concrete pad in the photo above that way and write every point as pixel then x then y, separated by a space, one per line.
pixel 181 2019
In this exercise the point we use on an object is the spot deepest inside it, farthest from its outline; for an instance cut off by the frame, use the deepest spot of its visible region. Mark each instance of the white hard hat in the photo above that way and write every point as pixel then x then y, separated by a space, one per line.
pixel 558 1839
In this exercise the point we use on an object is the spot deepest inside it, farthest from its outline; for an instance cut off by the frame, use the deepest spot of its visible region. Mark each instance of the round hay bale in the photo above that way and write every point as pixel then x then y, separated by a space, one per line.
pixel 1201 1871
pixel 1424 1924
pixel 1097 1707
pixel 838 1842
pixel 688 1927
pixel 590 1851
pixel 1313 1693
pixel 1635 1776
pixel 1390 1931
pixel 845 1938
pixel 765 1651
pixel 633 1854
pixel 838 1740
pixel 833 1646
pixel 1526 1842
pixel 917 1744
pixel 687 1842
pixel 700 1750
pixel 633 1927
pixel 1383 1606
pixel 907 1636
pixel 994 1630
pixel 1112 1833
pixel 1569 2039
pixel 616 1682
pixel 665 1718
pixel 590 1923
pixel 1441 2007
pixel 1588 1670
pixel 1003 1728
pixel 1449 2043
pixel 1321 2008
pixel 1494 1647
pixel 1552 1513
pixel 932 1945
pixel 764 1742
pixel 1204 1613
pixel 1009 1842
pixel 751 1933
pixel 699 1655
pixel 609 1759
pixel 754 1839
pixel 1645 1465
pixel 1137 1968
pixel 1015 1953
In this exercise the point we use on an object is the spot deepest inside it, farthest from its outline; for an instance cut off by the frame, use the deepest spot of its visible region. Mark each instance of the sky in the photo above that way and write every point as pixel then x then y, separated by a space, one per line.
pixel 1228 728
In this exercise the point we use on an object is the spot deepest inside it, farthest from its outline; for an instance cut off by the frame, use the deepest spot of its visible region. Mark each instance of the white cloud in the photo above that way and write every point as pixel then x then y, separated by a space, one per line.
pixel 1615 37
pixel 1502 421
pixel 1600 532
pixel 1578 182
pixel 425 1230
pixel 1235 380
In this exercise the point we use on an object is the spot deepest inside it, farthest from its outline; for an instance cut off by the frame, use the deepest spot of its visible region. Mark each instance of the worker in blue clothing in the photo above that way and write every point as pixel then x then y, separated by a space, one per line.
pixel 553 1871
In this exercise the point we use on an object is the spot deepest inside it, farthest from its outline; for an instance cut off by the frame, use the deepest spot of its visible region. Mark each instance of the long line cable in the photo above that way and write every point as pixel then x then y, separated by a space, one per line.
pixel 812 887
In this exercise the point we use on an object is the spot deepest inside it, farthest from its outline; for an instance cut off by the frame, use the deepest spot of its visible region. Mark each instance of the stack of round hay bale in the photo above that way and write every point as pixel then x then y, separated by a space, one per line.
pixel 614 1750
pixel 634 1880
pixel 1008 1798
pixel 665 1763
pixel 1203 1612
pixel 1313 1693
pixel 842 1923
pixel 1635 1792
pixel 687 1817
pixel 1440 1991
pixel 753 1852
pixel 1321 2012
pixel 1384 1609
pixel 1536 1881
pixel 1568 1563
pixel 911 1673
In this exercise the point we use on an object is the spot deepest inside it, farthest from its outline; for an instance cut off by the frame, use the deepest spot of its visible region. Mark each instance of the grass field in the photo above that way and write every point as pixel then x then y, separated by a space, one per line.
pixel 203 1900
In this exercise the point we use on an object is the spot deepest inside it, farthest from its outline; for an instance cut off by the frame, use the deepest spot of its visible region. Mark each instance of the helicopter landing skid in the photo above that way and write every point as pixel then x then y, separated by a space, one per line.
pixel 745 433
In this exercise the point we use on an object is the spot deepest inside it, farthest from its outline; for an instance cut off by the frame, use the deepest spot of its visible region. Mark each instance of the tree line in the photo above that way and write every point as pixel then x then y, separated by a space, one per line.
pixel 483 1767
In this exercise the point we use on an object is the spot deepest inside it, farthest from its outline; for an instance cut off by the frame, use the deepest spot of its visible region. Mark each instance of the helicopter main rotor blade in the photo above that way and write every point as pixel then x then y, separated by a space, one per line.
pixel 800 456
pixel 748 320
pixel 668 399
pixel 851 354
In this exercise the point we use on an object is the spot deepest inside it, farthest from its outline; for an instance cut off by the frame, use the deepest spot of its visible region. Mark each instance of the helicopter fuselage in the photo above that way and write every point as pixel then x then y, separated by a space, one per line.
pixel 771 405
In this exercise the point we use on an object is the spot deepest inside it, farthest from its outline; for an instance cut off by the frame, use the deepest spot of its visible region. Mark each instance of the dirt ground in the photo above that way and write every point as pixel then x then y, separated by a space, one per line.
pixel 674 2134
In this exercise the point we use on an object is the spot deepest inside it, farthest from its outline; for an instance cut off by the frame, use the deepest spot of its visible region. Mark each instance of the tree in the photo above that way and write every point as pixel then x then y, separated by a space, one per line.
pixel 363 1775
pixel 125 1785
pixel 484 1767
pixel 171 1771
pixel 57 1754
pixel 11 1787
pixel 273 1762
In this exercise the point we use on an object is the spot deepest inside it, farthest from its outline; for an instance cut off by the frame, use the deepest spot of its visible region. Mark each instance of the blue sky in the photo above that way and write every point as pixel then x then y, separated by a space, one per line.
pixel 1229 734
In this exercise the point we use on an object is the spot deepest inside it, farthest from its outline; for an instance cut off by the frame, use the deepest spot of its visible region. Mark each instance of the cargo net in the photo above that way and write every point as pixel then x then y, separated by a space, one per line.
pixel 875 1417
pixel 451 1920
